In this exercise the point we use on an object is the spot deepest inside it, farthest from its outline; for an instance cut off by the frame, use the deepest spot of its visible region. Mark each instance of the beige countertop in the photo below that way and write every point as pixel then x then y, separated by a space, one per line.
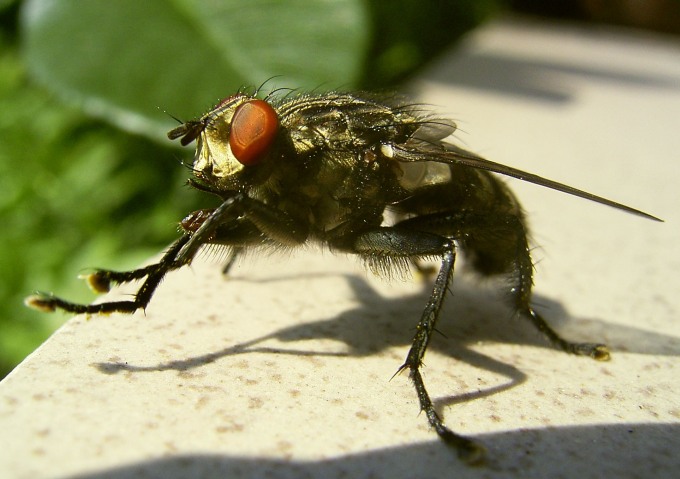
pixel 283 370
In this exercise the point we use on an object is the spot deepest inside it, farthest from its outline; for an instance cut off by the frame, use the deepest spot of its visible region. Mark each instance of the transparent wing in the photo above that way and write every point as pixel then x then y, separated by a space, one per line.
pixel 418 149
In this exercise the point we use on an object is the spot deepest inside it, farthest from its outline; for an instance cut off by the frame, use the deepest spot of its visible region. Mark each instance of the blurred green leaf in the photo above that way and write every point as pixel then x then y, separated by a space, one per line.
pixel 124 60
pixel 407 34
pixel 74 193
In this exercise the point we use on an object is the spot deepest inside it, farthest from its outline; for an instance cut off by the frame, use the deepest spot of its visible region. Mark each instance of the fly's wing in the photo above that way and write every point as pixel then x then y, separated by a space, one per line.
pixel 424 145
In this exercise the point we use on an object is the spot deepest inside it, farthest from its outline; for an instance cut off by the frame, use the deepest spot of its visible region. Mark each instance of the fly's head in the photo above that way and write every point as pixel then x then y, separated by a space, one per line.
pixel 235 139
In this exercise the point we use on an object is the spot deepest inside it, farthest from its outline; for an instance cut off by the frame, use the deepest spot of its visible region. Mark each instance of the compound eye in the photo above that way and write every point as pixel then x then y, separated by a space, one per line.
pixel 253 129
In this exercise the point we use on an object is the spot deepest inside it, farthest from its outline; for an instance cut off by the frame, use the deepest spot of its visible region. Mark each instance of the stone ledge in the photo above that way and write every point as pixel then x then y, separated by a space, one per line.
pixel 284 370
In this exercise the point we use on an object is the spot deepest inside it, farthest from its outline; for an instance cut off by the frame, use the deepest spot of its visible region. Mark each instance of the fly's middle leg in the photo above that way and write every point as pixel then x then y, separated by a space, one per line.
pixel 386 244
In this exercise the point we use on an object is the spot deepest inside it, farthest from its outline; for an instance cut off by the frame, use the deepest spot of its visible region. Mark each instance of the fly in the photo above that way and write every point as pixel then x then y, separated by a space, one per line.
pixel 325 169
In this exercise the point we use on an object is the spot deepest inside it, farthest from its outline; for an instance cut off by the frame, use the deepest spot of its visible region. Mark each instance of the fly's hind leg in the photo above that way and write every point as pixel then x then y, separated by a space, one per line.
pixel 386 244
pixel 520 296
pixel 499 245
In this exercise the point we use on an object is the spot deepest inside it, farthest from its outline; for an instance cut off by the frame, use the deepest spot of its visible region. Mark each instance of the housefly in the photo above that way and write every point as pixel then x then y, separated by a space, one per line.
pixel 360 174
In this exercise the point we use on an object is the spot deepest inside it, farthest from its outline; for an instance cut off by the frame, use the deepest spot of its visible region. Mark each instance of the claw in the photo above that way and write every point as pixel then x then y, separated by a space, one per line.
pixel 600 353
pixel 97 282
pixel 471 452
pixel 40 302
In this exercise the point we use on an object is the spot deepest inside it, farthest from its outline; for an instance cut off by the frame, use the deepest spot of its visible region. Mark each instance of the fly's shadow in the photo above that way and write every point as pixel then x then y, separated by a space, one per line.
pixel 472 314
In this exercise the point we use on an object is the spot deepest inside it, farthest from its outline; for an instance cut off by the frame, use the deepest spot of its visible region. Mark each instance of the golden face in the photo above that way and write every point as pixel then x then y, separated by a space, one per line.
pixel 236 134
pixel 214 157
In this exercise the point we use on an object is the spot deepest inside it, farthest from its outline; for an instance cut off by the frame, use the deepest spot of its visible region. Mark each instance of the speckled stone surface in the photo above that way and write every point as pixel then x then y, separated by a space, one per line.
pixel 283 370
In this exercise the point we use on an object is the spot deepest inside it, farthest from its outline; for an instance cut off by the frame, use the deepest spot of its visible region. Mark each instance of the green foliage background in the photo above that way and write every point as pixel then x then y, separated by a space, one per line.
pixel 87 177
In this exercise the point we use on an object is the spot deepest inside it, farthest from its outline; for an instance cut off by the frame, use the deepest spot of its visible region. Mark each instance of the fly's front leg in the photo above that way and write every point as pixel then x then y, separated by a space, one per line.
pixel 389 243
pixel 210 226
pixel 251 220
pixel 101 281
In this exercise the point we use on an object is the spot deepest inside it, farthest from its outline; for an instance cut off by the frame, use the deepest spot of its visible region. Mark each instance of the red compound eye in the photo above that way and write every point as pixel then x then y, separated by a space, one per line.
pixel 253 129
